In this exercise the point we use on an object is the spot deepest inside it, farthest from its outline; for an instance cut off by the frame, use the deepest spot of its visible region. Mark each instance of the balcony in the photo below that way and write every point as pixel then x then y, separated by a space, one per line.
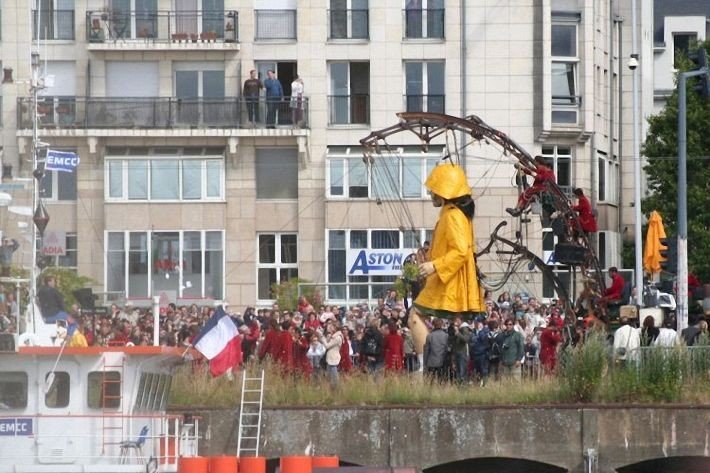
pixel 425 103
pixel 172 30
pixel 146 113
pixel 423 23
pixel 349 109
pixel 54 25
pixel 348 24
pixel 275 25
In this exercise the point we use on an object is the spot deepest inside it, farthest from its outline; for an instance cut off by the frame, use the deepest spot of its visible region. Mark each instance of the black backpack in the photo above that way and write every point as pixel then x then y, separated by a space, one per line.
pixel 494 353
pixel 370 345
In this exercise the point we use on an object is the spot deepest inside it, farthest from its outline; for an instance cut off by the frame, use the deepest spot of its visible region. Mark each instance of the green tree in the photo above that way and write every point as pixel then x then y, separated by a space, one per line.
pixel 661 149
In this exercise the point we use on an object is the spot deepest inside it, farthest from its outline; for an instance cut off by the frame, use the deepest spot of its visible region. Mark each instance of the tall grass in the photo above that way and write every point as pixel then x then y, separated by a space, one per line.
pixel 585 375
pixel 582 368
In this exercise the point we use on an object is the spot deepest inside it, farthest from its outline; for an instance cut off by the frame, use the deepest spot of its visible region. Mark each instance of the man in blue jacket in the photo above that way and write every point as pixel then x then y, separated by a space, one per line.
pixel 274 95
pixel 480 350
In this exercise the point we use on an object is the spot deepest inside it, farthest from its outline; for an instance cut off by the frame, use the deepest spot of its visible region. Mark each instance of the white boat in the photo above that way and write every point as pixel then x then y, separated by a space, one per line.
pixel 95 409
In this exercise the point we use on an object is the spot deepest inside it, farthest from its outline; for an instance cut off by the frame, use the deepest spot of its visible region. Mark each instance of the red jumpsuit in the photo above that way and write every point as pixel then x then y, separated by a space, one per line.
pixel 394 352
pixel 543 174
pixel 284 354
pixel 548 349
pixel 346 363
pixel 270 345
pixel 300 358
pixel 586 216
pixel 613 292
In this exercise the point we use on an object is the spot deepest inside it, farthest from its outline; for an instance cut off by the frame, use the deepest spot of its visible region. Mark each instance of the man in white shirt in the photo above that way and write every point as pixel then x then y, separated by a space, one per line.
pixel 626 342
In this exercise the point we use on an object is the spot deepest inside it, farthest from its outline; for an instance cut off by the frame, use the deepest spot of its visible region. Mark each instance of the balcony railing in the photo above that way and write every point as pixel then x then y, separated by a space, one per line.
pixel 349 109
pixel 163 112
pixel 275 24
pixel 348 24
pixel 164 26
pixel 423 23
pixel 425 103
pixel 54 24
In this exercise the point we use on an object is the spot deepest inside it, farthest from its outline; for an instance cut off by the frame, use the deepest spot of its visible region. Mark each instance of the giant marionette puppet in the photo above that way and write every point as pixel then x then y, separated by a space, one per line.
pixel 451 283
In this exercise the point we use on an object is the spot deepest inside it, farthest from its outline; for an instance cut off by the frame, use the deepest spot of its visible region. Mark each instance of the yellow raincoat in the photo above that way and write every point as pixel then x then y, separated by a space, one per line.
pixel 454 286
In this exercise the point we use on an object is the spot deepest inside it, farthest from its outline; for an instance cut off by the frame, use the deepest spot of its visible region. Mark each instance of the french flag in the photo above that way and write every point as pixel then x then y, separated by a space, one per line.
pixel 219 342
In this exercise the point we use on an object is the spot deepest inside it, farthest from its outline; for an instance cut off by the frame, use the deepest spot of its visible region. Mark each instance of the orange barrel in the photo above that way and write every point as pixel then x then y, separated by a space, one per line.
pixel 296 464
pixel 193 465
pixel 167 455
pixel 223 464
pixel 326 462
pixel 252 464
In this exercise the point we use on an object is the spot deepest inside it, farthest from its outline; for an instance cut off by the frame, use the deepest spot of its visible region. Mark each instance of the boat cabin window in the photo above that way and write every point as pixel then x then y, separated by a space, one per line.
pixel 13 390
pixel 153 392
pixel 57 389
pixel 104 389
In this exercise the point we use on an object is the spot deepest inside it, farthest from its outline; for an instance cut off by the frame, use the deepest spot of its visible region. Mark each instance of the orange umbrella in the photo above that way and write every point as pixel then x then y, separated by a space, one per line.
pixel 652 252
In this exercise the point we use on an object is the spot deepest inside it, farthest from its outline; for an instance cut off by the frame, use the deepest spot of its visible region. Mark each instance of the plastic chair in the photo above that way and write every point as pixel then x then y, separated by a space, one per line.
pixel 134 445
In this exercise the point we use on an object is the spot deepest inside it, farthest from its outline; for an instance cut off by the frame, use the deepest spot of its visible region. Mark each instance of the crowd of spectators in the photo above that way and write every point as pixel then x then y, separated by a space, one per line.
pixel 516 336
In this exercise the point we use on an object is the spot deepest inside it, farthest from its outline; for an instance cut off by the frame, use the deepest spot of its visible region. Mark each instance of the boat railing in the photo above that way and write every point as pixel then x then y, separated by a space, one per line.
pixel 114 439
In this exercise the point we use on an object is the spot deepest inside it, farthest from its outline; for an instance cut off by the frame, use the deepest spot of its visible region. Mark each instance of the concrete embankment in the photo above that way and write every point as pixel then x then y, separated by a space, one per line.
pixel 568 437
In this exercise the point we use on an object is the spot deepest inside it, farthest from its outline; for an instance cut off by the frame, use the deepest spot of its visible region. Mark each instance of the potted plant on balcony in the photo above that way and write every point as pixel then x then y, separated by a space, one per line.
pixel 208 36
pixel 193 37
pixel 179 37
pixel 44 108
pixel 63 109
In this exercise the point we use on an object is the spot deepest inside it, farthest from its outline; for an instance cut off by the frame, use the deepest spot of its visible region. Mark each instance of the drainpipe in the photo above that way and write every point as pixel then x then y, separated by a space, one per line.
pixel 620 132
pixel 638 269
pixel 463 52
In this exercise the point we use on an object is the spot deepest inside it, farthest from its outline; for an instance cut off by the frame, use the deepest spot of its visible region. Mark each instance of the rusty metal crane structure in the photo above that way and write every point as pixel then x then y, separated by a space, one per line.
pixel 573 248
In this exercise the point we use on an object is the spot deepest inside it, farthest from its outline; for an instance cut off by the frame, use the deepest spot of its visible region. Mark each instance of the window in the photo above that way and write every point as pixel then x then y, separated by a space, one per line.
pixel 424 19
pixel 56 105
pixel 198 16
pixel 275 21
pixel 132 19
pixel 345 282
pixel 278 262
pixel 681 45
pixel 424 86
pixel 560 157
pixel 349 94
pixel 400 174
pixel 348 19
pixel 608 189
pixel 69 258
pixel 200 88
pixel 13 390
pixel 185 263
pixel 104 389
pixel 57 394
pixel 276 173
pixel 177 178
pixel 56 20
pixel 565 94
pixel 608 249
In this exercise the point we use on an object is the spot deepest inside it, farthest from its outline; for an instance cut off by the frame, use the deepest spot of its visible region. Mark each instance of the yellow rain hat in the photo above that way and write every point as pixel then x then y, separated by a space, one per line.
pixel 448 181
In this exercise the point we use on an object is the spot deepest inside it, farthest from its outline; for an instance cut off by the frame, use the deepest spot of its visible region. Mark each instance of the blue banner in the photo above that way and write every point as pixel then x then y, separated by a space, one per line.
pixel 63 161
pixel 15 427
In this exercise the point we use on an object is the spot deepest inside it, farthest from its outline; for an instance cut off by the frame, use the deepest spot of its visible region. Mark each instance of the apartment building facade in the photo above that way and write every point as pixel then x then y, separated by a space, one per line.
pixel 189 189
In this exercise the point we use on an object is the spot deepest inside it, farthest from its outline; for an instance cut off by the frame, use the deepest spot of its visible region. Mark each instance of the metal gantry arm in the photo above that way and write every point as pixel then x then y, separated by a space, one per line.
pixel 429 126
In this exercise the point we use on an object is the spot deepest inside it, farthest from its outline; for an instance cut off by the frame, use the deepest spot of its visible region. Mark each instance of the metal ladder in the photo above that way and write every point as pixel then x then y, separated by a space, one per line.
pixel 250 414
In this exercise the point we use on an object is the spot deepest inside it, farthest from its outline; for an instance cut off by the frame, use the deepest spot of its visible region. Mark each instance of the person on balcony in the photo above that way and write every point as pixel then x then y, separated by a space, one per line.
pixel 7 249
pixel 297 102
pixel 274 95
pixel 252 87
